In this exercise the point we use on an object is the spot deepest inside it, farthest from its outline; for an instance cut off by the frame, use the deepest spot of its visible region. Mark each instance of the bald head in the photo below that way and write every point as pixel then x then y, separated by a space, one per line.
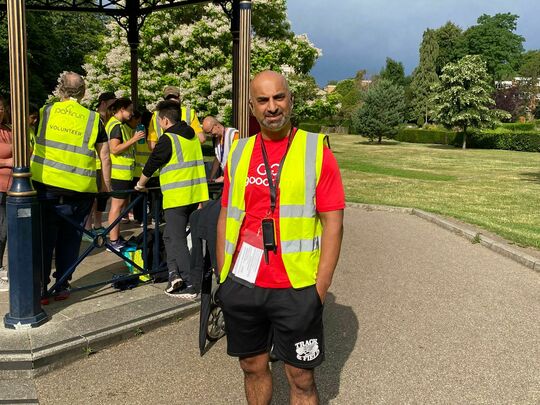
pixel 271 100
pixel 71 84
pixel 212 126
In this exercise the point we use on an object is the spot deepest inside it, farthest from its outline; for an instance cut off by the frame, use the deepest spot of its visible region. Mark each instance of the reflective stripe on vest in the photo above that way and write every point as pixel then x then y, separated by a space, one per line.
pixel 183 178
pixel 64 154
pixel 300 228
pixel 122 165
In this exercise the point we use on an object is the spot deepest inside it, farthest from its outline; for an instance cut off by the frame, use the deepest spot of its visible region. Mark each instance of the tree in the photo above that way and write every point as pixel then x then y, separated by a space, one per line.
pixel 56 43
pixel 394 72
pixel 349 93
pixel 530 66
pixel 192 48
pixel 425 76
pixel 449 38
pixel 383 110
pixel 510 100
pixel 463 98
pixel 494 39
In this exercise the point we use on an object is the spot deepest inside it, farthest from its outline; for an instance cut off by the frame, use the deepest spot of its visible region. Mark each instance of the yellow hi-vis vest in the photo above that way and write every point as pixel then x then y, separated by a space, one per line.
pixel 187 116
pixel 183 178
pixel 142 153
pixel 299 224
pixel 122 164
pixel 64 151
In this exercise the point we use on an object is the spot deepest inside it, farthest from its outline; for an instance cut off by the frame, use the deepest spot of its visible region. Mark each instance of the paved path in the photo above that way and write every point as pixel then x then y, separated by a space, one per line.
pixel 416 314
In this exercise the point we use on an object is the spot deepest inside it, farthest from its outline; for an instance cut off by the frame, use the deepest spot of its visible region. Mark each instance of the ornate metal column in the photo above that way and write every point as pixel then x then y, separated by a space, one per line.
pixel 133 8
pixel 24 248
pixel 235 31
pixel 242 72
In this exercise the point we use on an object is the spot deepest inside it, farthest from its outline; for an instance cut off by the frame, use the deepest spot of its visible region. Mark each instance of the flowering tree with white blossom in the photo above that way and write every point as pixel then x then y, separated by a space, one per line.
pixel 191 48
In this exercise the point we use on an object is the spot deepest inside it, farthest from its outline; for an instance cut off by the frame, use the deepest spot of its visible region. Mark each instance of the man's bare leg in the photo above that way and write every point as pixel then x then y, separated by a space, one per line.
pixel 257 379
pixel 303 390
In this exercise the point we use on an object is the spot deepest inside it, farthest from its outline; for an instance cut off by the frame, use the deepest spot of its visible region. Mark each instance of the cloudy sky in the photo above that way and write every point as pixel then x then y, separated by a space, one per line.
pixel 360 34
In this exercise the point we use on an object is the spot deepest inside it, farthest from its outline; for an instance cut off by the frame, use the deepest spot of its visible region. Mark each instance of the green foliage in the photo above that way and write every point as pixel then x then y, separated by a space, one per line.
pixel 463 98
pixel 349 93
pixel 449 38
pixel 56 43
pixel 519 126
pixel 310 127
pixel 414 135
pixel 382 111
pixel 425 76
pixel 494 39
pixel 191 48
pixel 518 141
pixel 393 72
pixel 530 64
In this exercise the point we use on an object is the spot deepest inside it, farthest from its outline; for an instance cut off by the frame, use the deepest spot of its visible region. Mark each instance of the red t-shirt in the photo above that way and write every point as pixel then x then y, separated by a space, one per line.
pixel 329 197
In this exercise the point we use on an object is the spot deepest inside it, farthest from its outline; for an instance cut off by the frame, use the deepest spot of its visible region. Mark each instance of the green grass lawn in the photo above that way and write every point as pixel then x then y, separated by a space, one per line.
pixel 494 189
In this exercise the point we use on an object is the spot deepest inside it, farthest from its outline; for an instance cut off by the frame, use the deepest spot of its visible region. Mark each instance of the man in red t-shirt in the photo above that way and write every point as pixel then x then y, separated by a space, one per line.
pixel 267 305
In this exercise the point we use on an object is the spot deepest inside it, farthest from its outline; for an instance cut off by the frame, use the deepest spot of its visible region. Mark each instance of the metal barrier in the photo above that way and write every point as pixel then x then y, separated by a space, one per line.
pixel 100 241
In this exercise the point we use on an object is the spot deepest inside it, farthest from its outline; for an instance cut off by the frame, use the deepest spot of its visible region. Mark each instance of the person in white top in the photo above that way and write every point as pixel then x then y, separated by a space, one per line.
pixel 222 139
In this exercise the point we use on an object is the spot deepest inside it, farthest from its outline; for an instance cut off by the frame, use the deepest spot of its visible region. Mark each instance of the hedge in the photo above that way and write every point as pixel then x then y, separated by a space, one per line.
pixel 415 135
pixel 310 127
pixel 519 126
pixel 520 141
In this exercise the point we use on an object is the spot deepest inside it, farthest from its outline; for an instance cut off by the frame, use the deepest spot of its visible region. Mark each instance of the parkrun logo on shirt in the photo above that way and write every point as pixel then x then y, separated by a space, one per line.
pixel 67 111
pixel 262 179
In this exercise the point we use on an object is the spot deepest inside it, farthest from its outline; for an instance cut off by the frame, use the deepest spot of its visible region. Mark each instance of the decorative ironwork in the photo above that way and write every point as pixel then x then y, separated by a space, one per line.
pixel 110 7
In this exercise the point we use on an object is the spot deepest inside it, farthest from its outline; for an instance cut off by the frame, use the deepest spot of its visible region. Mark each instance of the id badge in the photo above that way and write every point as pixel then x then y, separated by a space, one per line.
pixel 248 261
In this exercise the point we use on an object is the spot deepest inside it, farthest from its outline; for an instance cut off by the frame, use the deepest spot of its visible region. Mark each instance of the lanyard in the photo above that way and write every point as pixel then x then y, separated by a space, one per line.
pixel 221 148
pixel 274 186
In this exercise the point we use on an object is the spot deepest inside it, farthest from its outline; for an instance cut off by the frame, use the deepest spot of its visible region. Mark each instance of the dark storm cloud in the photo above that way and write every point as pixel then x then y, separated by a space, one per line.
pixel 360 34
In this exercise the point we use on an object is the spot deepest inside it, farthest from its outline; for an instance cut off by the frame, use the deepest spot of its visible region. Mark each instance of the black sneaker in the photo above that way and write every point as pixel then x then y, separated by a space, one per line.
pixel 187 293
pixel 174 284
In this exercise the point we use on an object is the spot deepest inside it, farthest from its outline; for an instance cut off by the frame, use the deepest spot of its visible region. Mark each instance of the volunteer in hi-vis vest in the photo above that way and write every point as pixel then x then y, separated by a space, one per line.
pixel 142 153
pixel 63 166
pixel 222 139
pixel 178 155
pixel 279 237
pixel 122 146
pixel 94 221
pixel 189 115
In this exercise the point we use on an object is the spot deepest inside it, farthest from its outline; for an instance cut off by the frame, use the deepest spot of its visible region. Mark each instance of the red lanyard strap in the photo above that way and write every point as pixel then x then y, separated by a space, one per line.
pixel 273 186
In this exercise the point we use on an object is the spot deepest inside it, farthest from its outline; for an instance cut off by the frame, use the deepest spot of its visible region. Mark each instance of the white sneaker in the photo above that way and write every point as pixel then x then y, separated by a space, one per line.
pixel 4 286
pixel 3 274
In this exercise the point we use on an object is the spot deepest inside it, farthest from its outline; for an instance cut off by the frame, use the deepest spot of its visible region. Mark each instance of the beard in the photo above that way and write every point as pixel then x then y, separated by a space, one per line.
pixel 276 125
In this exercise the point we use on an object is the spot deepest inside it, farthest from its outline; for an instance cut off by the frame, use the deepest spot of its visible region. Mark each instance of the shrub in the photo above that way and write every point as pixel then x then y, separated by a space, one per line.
pixel 519 126
pixel 414 135
pixel 519 141
pixel 310 127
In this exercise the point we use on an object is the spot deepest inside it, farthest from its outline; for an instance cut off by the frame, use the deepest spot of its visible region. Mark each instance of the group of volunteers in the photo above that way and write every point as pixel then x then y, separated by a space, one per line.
pixel 280 225
pixel 77 153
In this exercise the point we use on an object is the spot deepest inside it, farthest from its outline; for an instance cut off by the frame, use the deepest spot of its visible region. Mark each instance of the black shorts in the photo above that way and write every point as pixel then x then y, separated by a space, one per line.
pixel 287 318
pixel 120 185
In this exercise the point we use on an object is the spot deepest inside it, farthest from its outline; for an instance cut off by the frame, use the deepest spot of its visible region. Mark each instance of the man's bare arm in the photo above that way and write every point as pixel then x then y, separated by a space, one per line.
pixel 332 235
pixel 220 243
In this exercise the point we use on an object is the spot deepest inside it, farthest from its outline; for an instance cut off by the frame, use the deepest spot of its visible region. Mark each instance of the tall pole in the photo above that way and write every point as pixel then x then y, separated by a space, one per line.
pixel 133 7
pixel 235 31
pixel 24 248
pixel 244 47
